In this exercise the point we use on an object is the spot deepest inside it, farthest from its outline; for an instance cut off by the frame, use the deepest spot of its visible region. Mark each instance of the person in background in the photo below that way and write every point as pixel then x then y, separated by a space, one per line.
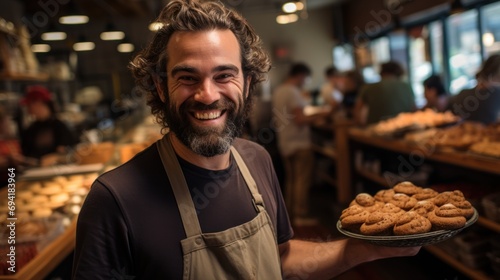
pixel 481 103
pixel 386 98
pixel 435 94
pixel 10 150
pixel 353 82
pixel 47 137
pixel 293 130
pixel 201 203
pixel 329 92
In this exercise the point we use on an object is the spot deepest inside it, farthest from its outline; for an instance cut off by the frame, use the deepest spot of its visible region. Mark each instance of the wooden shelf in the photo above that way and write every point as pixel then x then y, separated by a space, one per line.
pixel 463 159
pixel 470 272
pixel 373 177
pixel 327 178
pixel 41 77
pixel 327 152
pixel 489 224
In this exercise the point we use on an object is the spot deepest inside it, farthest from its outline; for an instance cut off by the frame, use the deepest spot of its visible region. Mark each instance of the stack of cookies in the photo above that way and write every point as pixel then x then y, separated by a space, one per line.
pixel 406 209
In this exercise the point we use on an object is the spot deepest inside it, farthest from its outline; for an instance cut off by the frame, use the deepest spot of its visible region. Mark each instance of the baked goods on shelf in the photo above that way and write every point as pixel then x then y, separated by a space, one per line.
pixel 416 120
pixel 406 209
pixel 486 148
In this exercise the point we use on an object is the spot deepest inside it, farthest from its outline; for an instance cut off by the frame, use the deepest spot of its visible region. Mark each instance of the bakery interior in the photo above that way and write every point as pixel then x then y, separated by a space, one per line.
pixel 86 71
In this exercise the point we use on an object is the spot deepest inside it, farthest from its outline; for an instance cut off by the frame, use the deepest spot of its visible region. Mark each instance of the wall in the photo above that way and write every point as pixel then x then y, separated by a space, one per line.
pixel 310 41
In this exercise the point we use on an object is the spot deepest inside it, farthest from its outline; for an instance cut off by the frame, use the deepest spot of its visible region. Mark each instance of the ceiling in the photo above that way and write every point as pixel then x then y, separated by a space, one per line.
pixel 100 9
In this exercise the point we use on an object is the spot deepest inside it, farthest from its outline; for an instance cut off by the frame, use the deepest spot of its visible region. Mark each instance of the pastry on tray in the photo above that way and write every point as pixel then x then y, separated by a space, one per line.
pixel 406 209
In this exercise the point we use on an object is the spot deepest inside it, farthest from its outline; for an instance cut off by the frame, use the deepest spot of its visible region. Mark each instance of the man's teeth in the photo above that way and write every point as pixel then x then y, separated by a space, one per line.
pixel 207 116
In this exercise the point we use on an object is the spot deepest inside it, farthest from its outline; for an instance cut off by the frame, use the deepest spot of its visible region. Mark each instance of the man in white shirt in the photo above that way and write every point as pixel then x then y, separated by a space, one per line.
pixel 294 141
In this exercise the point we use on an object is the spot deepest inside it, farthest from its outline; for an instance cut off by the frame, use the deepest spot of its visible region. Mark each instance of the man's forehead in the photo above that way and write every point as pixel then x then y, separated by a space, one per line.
pixel 203 45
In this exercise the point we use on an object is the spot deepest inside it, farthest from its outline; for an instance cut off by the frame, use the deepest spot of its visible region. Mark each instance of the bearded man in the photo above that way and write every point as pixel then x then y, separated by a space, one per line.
pixel 200 203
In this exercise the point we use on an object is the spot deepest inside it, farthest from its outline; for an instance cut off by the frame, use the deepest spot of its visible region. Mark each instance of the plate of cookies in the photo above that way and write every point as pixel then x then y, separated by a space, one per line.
pixel 407 215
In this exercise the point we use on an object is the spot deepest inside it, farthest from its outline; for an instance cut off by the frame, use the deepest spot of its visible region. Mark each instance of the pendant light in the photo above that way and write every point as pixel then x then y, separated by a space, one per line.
pixel 83 45
pixel 125 46
pixel 74 16
pixel 37 46
pixel 112 33
pixel 53 34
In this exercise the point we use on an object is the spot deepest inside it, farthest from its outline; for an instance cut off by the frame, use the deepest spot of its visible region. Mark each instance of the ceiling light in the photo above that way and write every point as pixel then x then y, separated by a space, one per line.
pixel 285 19
pixel 40 48
pixel 74 16
pixel 488 39
pixel 125 47
pixel 289 7
pixel 83 45
pixel 112 33
pixel 53 36
pixel 155 26
pixel 74 19
pixel 299 5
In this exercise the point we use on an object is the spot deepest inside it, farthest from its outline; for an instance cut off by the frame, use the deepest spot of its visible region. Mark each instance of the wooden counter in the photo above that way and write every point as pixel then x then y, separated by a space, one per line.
pixel 462 159
pixel 49 258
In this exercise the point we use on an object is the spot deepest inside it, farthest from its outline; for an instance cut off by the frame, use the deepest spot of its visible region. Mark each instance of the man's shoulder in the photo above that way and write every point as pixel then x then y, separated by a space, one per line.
pixel 250 150
pixel 142 163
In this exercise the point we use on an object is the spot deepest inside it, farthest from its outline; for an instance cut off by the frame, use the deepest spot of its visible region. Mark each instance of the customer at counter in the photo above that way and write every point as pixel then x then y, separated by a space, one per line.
pixel 47 136
pixel 353 81
pixel 482 103
pixel 294 137
pixel 329 92
pixel 435 95
pixel 386 98
pixel 201 203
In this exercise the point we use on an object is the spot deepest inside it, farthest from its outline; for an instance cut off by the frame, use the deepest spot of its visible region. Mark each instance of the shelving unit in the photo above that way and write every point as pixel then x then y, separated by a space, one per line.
pixel 453 158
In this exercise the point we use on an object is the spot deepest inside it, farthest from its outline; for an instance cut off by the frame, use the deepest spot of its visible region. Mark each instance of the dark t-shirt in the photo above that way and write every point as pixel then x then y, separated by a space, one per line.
pixel 386 99
pixel 130 224
pixel 480 105
pixel 43 137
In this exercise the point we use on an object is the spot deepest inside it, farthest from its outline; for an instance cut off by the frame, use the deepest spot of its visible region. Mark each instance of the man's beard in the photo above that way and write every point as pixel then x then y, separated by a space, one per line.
pixel 208 141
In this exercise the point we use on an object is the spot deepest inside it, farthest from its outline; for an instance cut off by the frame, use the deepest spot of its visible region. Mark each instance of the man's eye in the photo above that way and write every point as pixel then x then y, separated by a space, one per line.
pixel 224 77
pixel 187 79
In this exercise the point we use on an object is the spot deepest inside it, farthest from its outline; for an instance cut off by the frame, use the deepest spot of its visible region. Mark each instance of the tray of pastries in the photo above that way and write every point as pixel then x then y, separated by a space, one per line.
pixel 415 121
pixel 407 215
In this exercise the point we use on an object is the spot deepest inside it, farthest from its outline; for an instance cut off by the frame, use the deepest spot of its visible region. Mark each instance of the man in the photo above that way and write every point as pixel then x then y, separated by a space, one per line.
pixel 435 94
pixel 330 91
pixel 386 98
pixel 199 203
pixel 293 132
pixel 481 103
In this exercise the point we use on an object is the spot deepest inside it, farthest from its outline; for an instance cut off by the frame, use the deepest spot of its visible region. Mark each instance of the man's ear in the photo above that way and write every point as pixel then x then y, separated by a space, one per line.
pixel 247 86
pixel 159 88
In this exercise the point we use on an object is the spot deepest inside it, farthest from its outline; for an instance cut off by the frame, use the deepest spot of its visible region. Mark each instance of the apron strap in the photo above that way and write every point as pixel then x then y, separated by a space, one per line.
pixel 179 187
pixel 257 197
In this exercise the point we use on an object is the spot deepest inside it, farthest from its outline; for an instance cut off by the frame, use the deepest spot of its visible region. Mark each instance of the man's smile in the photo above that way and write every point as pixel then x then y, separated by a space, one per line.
pixel 208 115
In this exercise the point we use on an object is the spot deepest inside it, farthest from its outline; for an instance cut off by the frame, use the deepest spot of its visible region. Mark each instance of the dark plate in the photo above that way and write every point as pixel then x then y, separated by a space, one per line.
pixel 421 239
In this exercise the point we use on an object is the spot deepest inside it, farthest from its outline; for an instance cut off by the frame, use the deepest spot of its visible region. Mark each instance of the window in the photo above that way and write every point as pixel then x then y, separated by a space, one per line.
pixel 490 21
pixel 436 44
pixel 343 57
pixel 378 52
pixel 464 50
pixel 420 65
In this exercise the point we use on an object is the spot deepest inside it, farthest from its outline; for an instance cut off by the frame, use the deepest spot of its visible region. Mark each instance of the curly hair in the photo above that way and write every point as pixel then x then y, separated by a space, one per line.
pixel 149 66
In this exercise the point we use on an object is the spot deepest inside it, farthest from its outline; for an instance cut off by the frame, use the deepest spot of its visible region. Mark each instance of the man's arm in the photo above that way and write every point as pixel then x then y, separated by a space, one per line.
pixel 315 260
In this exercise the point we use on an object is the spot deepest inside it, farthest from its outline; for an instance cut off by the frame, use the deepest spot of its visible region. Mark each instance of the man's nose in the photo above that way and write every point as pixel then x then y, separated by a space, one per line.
pixel 207 92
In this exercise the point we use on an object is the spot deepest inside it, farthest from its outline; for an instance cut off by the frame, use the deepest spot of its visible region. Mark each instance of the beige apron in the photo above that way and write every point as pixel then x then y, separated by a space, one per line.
pixel 247 251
